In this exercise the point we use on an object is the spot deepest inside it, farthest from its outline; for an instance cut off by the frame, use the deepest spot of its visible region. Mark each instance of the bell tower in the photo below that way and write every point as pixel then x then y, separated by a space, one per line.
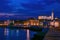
pixel 52 15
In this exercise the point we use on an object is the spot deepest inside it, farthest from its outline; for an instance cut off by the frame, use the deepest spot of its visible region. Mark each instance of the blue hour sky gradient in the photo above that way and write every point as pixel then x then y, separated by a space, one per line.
pixel 30 7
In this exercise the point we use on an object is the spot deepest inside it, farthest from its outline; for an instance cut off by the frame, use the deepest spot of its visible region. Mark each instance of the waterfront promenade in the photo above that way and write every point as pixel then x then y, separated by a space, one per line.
pixel 53 34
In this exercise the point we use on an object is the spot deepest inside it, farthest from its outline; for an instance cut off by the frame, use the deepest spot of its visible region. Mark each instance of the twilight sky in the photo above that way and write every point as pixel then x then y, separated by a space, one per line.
pixel 30 7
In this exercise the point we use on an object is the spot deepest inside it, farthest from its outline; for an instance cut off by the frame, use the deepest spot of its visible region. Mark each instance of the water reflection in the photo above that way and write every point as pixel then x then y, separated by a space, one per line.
pixel 6 32
pixel 15 34
pixel 1 34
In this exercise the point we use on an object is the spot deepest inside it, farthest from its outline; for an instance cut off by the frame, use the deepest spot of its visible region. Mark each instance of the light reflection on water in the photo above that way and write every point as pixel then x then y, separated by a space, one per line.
pixel 15 34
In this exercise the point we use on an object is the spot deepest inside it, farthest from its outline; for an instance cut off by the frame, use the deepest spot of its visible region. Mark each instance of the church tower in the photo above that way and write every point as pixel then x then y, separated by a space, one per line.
pixel 52 15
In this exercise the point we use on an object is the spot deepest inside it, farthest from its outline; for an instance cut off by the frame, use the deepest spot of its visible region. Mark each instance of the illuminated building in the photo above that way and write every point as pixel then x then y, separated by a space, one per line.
pixel 47 17
pixel 52 16
pixel 26 23
pixel 44 17
pixel 56 24
pixel 32 22
pixel 18 23
pixel 51 23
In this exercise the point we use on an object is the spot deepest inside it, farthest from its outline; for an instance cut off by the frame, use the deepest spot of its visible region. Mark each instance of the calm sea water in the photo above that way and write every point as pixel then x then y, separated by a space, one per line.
pixel 15 34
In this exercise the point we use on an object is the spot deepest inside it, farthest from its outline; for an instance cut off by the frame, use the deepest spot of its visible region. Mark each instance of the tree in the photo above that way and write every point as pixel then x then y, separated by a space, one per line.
pixel 11 25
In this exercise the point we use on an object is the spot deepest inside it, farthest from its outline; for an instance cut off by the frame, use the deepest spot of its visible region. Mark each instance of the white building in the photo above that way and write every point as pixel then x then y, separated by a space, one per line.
pixel 52 16
pixel 47 17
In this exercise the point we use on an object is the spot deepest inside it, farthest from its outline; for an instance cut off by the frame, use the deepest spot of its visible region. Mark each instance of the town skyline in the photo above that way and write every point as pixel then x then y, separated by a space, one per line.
pixel 19 17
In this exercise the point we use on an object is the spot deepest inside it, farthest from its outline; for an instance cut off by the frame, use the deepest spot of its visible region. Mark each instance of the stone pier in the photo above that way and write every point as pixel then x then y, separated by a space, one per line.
pixel 53 34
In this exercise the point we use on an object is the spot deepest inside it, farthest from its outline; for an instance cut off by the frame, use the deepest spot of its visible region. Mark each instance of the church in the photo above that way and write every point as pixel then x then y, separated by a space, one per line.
pixel 47 17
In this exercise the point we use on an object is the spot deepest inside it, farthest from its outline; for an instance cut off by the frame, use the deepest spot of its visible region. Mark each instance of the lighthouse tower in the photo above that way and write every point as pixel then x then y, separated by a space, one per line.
pixel 52 15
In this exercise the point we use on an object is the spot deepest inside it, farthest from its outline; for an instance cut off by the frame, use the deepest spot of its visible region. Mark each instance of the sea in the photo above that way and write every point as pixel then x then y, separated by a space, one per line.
pixel 16 34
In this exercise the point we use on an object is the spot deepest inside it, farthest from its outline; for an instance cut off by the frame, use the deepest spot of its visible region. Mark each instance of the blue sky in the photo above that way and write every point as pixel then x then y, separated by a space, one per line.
pixel 30 7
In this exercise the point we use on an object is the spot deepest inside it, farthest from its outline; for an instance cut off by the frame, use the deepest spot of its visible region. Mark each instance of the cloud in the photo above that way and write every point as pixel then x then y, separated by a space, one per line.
pixel 32 6
pixel 29 7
